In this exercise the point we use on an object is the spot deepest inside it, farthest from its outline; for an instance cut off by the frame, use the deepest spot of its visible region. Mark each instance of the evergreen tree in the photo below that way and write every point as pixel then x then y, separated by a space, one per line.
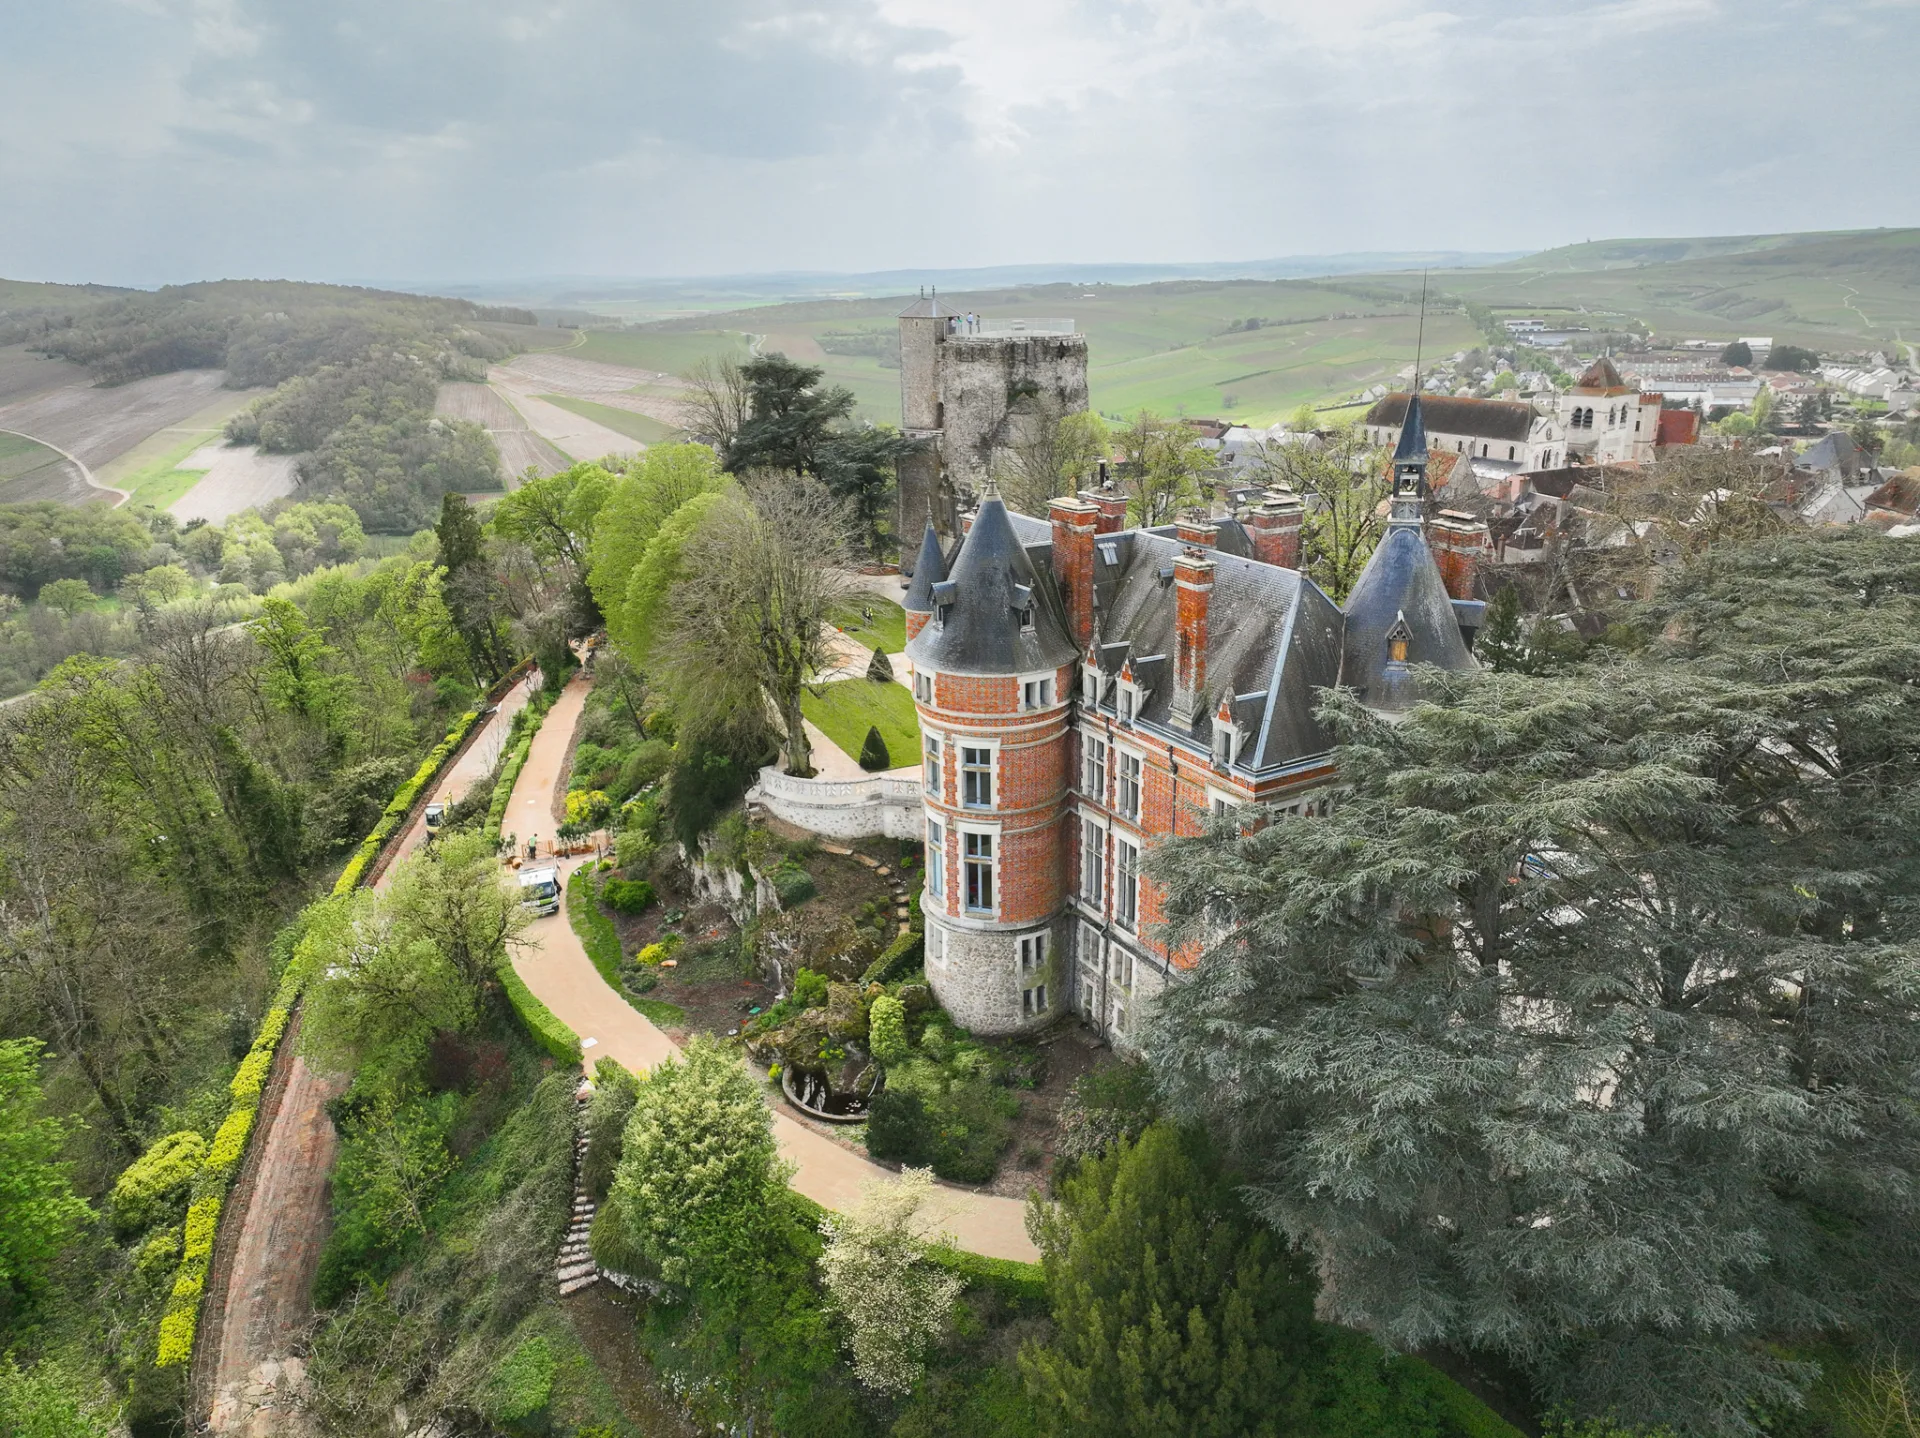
pixel 1500 645
pixel 1584 1028
pixel 880 668
pixel 789 417
pixel 873 753
pixel 469 586
pixel 1176 1314
pixel 1739 353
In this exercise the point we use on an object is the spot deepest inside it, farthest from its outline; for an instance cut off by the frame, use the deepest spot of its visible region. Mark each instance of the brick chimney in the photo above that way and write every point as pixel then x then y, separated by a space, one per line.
pixel 1112 506
pixel 1075 523
pixel 1461 544
pixel 1274 528
pixel 1196 530
pixel 1193 597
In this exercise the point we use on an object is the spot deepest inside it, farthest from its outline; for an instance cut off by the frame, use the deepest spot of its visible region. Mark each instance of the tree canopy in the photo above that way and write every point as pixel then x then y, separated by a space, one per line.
pixel 1584 1029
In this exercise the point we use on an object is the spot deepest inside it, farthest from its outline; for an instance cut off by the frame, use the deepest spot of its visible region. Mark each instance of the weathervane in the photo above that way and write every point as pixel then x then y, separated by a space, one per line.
pixel 1420 336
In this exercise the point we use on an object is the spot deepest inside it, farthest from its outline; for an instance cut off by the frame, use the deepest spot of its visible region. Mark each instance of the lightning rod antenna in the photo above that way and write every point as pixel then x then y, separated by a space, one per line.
pixel 1420 337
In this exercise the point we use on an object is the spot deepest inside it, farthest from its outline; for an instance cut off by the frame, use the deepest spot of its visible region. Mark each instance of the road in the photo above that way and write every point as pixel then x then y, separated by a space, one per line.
pixel 78 463
pixel 270 1287
pixel 555 966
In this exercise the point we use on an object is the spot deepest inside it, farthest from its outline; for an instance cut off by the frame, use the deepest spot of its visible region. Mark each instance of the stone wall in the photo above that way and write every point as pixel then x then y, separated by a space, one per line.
pixel 974 971
pixel 841 808
pixel 988 386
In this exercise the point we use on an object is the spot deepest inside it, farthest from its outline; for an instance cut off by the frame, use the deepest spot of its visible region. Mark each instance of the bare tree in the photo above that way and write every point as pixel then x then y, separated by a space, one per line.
pixel 1164 467
pixel 765 574
pixel 1341 478
pixel 1051 455
pixel 716 405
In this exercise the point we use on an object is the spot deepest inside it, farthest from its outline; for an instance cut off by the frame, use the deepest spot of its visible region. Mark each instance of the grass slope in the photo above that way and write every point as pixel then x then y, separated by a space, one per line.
pixel 29 470
pixel 887 630
pixel 846 709
pixel 668 351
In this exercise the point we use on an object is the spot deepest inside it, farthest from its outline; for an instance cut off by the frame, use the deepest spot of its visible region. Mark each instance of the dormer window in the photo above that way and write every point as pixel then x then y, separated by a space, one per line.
pixel 1026 620
pixel 1398 638
pixel 1223 743
pixel 1090 685
pixel 1125 702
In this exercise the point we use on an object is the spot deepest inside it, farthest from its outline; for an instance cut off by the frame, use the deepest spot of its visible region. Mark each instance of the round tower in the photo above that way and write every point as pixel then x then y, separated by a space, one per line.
pixel 993 671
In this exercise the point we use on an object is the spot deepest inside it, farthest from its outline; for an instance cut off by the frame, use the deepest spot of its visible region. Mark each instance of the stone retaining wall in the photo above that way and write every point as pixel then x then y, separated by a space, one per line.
pixel 842 808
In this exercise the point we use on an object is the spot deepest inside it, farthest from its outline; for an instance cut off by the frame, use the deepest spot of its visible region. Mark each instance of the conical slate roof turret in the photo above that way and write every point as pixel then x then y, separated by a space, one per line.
pixel 993 614
pixel 928 570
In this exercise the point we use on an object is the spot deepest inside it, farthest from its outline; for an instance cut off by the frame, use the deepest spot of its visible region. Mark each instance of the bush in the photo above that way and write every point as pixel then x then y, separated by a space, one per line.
pixel 897 1127
pixel 879 668
pixel 971 1124
pixel 887 1029
pixel 791 884
pixel 873 753
pixel 809 989
pixel 900 956
pixel 894 1302
pixel 151 1187
pixel 614 1093
pixel 1111 1103
pixel 552 1035
pixel 522 1386
pixel 627 896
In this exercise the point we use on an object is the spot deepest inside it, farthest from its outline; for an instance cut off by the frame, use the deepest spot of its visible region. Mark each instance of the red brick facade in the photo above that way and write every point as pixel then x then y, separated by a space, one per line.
pixel 1461 544
pixel 1274 529
pixel 1074 526
pixel 1193 590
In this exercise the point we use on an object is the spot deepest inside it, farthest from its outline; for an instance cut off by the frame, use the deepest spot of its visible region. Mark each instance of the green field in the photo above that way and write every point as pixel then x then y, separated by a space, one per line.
pixel 1181 347
pixel 669 351
pixel 644 428
pixel 159 481
pixel 846 709
pixel 887 630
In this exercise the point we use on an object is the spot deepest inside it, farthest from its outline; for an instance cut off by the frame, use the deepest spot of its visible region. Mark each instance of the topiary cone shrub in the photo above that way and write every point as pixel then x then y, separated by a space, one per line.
pixel 873 753
pixel 880 668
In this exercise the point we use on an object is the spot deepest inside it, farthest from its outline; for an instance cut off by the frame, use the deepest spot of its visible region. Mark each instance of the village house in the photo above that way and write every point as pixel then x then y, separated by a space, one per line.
pixel 1084 689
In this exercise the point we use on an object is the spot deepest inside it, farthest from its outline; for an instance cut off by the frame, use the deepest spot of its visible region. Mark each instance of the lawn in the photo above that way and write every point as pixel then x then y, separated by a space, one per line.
pixel 846 709
pixel 642 427
pixel 886 630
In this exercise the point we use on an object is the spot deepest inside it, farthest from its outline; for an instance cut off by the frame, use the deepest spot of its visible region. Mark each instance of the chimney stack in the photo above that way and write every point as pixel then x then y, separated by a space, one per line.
pixel 1112 507
pixel 1274 528
pixel 1461 545
pixel 1193 598
pixel 1196 530
pixel 1075 523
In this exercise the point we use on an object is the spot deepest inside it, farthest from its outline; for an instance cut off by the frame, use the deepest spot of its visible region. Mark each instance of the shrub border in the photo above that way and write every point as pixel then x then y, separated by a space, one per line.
pixel 180 1318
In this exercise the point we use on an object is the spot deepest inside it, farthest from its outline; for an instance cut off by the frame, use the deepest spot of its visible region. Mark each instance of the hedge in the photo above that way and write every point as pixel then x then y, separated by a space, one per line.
pixel 595 930
pixel 898 957
pixel 180 1322
pixel 552 1035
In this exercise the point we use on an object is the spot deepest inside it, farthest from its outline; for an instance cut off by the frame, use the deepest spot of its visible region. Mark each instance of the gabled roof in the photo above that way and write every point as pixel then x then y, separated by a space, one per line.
pixel 928 570
pixel 991 582
pixel 1502 419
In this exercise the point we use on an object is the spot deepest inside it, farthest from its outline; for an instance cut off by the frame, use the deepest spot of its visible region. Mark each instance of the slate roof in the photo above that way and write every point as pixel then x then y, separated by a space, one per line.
pixel 1273 639
pixel 1602 377
pixel 928 307
pixel 1502 419
pixel 991 581
pixel 1401 582
pixel 928 570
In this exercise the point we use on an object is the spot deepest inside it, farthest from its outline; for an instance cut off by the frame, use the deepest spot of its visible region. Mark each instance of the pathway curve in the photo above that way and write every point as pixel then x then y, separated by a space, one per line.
pixel 269 1299
pixel 73 459
pixel 555 966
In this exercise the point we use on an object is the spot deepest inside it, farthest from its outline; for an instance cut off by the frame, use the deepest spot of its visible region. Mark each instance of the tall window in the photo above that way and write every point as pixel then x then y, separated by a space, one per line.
pixel 1094 779
pixel 1126 882
pixel 1033 953
pixel 1033 1001
pixel 1125 704
pixel 1090 685
pixel 976 778
pixel 1093 861
pixel 923 688
pixel 936 859
pixel 933 766
pixel 1127 796
pixel 978 854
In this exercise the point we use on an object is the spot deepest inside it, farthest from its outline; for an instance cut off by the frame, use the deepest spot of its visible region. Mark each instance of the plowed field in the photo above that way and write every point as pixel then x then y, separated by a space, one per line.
pixel 30 471
pixel 95 424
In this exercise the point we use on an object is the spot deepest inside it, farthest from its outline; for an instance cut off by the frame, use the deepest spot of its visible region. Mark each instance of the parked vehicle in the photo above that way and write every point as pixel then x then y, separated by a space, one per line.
pixel 540 890
pixel 436 816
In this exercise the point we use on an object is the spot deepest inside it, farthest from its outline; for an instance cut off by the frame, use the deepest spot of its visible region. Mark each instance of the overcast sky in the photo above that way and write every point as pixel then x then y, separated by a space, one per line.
pixel 157 140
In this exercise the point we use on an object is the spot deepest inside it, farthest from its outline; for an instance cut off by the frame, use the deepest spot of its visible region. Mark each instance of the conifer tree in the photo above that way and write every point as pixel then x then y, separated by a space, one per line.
pixel 1500 645
pixel 873 753
pixel 1176 1314
pixel 1585 1029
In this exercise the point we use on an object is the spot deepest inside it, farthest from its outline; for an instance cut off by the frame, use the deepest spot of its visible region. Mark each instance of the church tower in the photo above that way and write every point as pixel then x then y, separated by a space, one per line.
pixel 993 668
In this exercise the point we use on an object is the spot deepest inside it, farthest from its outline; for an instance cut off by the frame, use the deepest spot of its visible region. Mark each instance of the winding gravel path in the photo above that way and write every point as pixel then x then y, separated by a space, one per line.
pixel 556 967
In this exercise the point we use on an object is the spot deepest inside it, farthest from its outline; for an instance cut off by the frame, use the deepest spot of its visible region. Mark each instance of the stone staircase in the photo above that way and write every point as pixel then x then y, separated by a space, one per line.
pixel 575 1268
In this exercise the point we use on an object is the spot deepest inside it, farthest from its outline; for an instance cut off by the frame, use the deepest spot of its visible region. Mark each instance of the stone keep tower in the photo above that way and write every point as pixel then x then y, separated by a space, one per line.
pixel 993 668
pixel 968 390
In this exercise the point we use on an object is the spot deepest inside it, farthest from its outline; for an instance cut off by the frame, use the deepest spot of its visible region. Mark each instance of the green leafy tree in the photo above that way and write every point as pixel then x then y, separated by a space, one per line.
pixel 1052 454
pixel 642 618
pixel 48 1401
pixel 67 596
pixel 472 596
pixel 1792 357
pixel 1554 1034
pixel 39 1211
pixel 1175 1312
pixel 1867 435
pixel 1739 353
pixel 1342 478
pixel 700 1172
pixel 1163 466
pixel 614 1093
pixel 857 466
pixel 642 500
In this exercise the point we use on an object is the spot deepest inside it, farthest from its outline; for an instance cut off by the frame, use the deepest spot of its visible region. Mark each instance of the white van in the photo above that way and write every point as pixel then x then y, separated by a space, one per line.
pixel 540 890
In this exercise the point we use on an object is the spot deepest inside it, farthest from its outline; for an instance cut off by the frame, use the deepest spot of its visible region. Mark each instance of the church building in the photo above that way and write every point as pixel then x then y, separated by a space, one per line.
pixel 1084 688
